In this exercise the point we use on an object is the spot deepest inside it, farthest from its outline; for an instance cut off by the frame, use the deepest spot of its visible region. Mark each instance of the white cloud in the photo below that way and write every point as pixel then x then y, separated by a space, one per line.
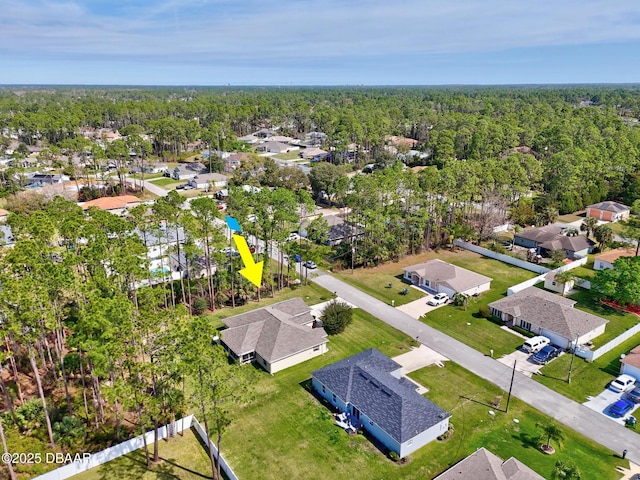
pixel 304 31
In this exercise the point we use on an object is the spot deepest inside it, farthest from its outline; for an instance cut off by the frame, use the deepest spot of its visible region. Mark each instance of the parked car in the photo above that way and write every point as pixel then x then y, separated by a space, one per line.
pixel 545 355
pixel 621 408
pixel 252 248
pixel 438 299
pixel 634 395
pixel 230 251
pixel 623 383
pixel 535 344
pixel 293 237
pixel 310 264
pixel 182 186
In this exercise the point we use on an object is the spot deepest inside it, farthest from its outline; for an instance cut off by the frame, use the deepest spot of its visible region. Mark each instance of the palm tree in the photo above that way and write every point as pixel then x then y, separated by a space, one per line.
pixel 552 432
pixel 566 471
pixel 603 234
pixel 588 225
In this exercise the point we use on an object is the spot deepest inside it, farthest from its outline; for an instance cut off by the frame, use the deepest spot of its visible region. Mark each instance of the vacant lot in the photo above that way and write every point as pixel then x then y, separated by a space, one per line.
pixel 183 457
pixel 376 281
pixel 167 183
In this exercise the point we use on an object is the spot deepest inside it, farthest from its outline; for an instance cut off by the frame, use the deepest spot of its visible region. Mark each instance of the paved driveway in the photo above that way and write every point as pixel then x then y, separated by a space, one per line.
pixel 416 359
pixel 601 402
pixel 523 361
pixel 418 308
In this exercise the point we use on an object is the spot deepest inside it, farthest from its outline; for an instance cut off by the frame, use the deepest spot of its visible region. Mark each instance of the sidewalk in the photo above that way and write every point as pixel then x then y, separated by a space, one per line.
pixel 578 417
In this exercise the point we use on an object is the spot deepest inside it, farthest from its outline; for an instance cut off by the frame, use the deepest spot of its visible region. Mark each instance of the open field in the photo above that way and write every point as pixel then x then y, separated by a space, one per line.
pixel 184 458
pixel 587 379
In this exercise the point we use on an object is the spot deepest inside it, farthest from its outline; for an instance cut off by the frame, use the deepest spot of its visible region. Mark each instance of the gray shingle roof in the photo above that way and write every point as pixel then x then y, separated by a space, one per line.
pixel 273 332
pixel 541 234
pixel 550 311
pixel 452 276
pixel 484 465
pixel 572 244
pixel 365 381
pixel 609 206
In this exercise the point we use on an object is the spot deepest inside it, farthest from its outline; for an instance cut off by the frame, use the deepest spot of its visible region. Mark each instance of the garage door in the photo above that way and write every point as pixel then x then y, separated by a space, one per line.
pixel 556 339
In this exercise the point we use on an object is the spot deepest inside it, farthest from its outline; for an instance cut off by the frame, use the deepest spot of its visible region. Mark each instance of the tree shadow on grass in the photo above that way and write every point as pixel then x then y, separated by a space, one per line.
pixel 527 440
pixel 132 465
pixel 169 469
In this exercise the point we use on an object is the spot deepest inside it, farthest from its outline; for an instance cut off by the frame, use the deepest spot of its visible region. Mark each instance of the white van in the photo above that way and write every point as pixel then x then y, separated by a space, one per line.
pixel 535 344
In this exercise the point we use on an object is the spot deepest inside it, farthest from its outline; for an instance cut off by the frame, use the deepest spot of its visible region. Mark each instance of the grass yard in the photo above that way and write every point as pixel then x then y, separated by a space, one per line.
pixel 585 271
pixel 167 183
pixel 147 176
pixel 587 379
pixel 375 282
pixel 573 217
pixel 311 294
pixel 287 433
pixel 183 458
pixel 293 155
pixel 469 404
pixel 618 321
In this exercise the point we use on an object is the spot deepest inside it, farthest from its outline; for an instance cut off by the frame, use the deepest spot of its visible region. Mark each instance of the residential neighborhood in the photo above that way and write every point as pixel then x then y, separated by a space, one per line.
pixel 388 303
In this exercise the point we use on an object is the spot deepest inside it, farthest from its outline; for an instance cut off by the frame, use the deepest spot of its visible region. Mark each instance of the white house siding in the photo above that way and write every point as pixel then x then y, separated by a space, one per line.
pixel 478 289
pixel 420 440
pixel 601 264
pixel 631 370
pixel 297 358
pixel 443 289
pixel 380 435
pixel 557 340
pixel 592 334
pixel 559 287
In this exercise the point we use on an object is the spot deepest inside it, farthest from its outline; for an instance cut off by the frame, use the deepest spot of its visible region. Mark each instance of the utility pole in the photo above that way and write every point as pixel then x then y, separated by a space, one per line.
pixel 573 355
pixel 513 374
pixel 353 253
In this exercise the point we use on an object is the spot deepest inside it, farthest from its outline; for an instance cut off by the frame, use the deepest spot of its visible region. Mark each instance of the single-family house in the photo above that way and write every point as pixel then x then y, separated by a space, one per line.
pixel 276 147
pixel 370 389
pixel 275 337
pixel 248 139
pixel 207 180
pixel 314 154
pixel 605 260
pixel 608 211
pixel 484 465
pixel 341 230
pixel 42 179
pixel 233 161
pixel 442 277
pixel 264 133
pixel 630 363
pixel 116 205
pixel 553 316
pixel 192 267
pixel 550 237
pixel 551 282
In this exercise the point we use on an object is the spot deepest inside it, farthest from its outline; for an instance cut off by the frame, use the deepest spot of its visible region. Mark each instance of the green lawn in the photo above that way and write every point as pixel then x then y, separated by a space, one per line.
pixel 481 334
pixel 587 379
pixel 184 458
pixel 375 282
pixel 147 176
pixel 293 155
pixel 618 321
pixel 572 217
pixel 469 398
pixel 311 294
pixel 167 183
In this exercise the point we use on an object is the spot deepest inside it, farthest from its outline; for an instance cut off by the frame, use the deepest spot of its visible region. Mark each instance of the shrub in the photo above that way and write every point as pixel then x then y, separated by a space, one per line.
pixel 200 305
pixel 484 311
pixel 69 432
pixel 336 317
pixel 394 456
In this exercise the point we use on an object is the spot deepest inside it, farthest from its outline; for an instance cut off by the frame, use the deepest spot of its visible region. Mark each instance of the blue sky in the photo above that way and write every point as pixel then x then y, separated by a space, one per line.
pixel 312 42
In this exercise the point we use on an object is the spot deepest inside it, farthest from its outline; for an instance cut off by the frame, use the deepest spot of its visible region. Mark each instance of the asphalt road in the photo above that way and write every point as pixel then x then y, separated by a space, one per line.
pixel 572 414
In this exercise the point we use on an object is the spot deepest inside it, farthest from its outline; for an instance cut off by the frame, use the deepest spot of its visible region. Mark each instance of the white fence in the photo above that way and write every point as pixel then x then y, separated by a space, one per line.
pixel 540 278
pixel 99 458
pixel 532 267
pixel 610 345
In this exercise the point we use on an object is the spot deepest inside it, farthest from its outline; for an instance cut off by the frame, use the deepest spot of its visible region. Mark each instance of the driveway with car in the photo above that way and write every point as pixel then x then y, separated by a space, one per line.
pixel 604 400
pixel 524 364
pixel 419 307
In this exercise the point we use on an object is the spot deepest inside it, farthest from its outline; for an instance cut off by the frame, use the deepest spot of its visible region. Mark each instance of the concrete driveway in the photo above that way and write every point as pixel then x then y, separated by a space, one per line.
pixel 523 363
pixel 418 308
pixel 601 402
pixel 418 358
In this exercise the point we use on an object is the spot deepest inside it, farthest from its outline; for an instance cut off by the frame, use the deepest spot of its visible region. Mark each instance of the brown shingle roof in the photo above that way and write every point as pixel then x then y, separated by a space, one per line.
pixel 632 358
pixel 613 255
pixel 550 311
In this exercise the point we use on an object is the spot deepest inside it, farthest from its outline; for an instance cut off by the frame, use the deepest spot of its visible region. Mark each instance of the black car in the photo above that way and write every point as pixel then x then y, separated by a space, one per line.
pixel 545 355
